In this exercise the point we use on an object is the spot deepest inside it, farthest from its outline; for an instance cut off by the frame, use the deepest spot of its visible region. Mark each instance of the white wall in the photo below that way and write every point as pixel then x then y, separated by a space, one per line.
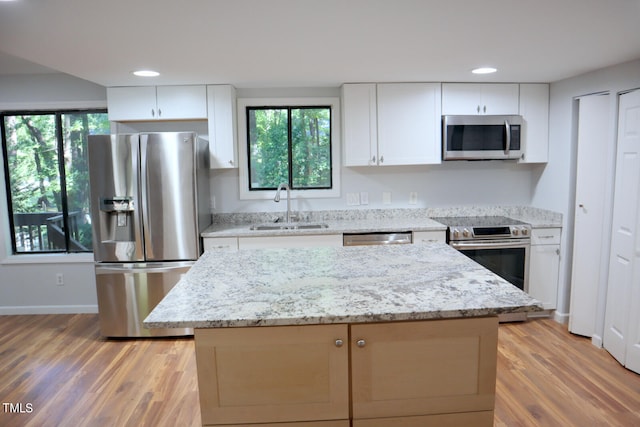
pixel 28 283
pixel 448 184
pixel 555 183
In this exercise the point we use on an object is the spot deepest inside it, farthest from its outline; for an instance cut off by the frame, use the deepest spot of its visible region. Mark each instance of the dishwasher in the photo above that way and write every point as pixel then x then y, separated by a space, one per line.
pixel 377 238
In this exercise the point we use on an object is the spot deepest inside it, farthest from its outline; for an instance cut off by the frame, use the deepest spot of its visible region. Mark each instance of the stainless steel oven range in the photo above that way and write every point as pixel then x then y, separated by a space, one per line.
pixel 498 243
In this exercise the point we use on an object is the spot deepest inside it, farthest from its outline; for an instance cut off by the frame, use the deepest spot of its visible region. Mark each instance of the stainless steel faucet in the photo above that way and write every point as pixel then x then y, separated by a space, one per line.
pixel 277 198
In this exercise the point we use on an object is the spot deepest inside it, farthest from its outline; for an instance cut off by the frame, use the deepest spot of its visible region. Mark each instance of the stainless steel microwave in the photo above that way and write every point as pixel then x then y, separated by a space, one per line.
pixel 481 137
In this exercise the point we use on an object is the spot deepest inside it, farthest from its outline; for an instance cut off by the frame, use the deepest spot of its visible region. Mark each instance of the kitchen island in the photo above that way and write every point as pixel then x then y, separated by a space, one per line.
pixel 385 335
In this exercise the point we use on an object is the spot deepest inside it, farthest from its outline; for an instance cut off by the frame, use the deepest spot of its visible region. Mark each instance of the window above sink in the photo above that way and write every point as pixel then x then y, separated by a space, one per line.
pixel 252 156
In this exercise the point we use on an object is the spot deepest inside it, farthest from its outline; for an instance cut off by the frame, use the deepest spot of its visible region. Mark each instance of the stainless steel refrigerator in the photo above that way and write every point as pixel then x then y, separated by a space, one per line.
pixel 149 204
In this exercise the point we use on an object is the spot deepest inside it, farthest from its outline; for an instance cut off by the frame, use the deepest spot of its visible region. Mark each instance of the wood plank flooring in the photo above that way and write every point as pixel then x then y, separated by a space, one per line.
pixel 55 370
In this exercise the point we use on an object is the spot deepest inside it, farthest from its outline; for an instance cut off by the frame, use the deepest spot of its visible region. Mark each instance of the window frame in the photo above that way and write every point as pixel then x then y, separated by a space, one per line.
pixel 58 113
pixel 243 168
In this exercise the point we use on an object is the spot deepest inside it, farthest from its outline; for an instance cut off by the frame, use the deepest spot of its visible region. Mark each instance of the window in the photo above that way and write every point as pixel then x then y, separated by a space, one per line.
pixel 47 178
pixel 289 144
pixel 293 141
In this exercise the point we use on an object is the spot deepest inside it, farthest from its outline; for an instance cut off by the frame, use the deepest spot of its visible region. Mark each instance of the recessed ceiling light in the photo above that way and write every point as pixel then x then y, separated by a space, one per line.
pixel 146 73
pixel 484 70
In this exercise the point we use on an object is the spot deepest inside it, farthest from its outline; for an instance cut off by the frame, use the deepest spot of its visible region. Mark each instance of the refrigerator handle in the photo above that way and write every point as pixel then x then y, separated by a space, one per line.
pixel 144 196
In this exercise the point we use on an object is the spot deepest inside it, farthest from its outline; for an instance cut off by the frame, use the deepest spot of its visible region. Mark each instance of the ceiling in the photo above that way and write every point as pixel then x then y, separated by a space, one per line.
pixel 295 43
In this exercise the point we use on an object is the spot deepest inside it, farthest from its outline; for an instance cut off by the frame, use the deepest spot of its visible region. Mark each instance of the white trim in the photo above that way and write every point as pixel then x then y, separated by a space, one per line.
pixel 336 130
pixel 28 258
pixel 51 105
pixel 561 317
pixel 49 309
pixel 596 340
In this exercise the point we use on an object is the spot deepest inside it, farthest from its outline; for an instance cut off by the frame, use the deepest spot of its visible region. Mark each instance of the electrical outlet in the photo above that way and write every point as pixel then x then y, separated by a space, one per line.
pixel 413 198
pixel 60 279
pixel 386 197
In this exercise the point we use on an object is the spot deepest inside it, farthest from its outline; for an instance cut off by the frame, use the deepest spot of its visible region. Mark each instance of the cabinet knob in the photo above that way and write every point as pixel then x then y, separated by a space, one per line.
pixel 159 112
pixel 361 343
pixel 478 109
pixel 381 159
pixel 153 112
pixel 231 162
pixel 373 160
pixel 339 343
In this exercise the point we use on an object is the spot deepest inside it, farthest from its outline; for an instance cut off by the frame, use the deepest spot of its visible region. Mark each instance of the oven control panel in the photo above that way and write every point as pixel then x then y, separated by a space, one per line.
pixel 522 231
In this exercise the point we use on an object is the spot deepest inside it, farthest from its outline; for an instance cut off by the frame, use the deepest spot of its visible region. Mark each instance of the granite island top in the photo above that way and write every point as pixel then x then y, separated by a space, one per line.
pixel 302 286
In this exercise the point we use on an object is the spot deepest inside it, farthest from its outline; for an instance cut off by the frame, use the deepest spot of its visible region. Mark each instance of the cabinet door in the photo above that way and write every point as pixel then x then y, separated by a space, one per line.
pixel 273 374
pixel 220 243
pixel 409 123
pixel 500 99
pixel 544 264
pixel 359 124
pixel 181 102
pixel 423 368
pixel 131 103
pixel 534 109
pixel 304 241
pixel 221 100
pixel 473 99
pixel 429 237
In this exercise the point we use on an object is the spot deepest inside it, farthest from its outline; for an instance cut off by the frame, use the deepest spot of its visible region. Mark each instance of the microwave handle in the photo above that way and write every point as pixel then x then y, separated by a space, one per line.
pixel 507 128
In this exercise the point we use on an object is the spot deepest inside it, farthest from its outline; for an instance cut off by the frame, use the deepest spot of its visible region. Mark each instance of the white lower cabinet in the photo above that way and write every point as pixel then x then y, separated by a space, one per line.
pixel 394 374
pixel 310 241
pixel 220 243
pixel 544 266
pixel 438 236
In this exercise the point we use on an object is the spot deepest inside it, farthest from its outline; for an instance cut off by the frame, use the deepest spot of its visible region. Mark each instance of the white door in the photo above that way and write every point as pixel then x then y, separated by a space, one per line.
pixel 589 229
pixel 622 329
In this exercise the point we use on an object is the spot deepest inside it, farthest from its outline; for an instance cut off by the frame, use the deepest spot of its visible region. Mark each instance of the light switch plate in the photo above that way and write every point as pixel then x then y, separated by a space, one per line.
pixel 364 198
pixel 353 199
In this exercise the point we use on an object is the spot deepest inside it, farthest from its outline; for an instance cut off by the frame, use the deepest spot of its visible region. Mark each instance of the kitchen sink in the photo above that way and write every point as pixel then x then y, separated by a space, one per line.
pixel 288 226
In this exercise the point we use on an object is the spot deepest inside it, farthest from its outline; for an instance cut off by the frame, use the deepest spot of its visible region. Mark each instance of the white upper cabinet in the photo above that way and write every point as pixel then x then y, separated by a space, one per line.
pixel 480 98
pixel 221 101
pixel 534 109
pixel 391 124
pixel 359 124
pixel 157 103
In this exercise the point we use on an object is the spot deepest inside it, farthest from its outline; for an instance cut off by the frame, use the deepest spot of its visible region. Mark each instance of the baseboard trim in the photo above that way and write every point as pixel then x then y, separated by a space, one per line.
pixel 49 309
pixel 561 317
pixel 596 340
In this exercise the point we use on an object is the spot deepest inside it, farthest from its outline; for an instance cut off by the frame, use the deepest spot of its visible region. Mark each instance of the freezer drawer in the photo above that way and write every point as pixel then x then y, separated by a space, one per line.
pixel 128 293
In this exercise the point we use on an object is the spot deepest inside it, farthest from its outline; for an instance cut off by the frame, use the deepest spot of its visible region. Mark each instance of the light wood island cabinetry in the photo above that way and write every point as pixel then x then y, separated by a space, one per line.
pixel 433 372
pixel 365 336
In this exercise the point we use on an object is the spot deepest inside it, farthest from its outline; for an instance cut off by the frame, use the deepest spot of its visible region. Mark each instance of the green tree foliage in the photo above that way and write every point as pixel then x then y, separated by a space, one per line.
pixel 34 156
pixel 291 145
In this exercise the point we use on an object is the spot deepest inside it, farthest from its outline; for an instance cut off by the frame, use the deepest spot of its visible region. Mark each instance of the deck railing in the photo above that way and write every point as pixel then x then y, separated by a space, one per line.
pixel 44 231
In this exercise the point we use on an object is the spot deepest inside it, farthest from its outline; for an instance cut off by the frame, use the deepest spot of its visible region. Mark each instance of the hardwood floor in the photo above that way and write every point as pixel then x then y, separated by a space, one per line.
pixel 57 371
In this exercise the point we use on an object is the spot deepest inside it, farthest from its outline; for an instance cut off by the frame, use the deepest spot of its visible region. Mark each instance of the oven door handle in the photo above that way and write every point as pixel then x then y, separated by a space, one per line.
pixel 490 245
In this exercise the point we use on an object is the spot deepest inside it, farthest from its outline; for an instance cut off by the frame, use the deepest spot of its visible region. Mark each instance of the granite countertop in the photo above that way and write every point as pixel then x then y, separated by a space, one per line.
pixel 375 220
pixel 367 225
pixel 301 286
